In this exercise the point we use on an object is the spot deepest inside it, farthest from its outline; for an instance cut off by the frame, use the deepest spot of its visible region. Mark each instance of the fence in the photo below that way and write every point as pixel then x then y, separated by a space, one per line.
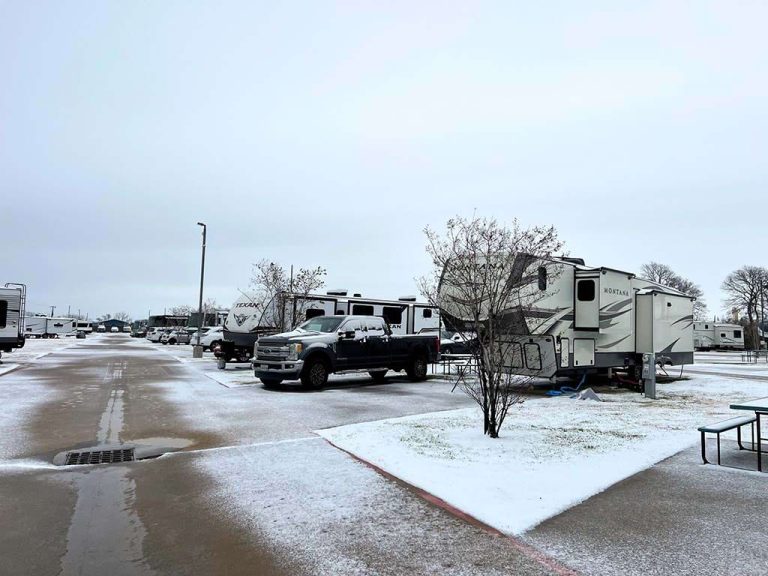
pixel 754 356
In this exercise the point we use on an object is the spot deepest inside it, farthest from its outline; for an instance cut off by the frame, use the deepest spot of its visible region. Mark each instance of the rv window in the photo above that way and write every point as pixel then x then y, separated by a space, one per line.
pixel 3 313
pixel 542 278
pixel 706 326
pixel 585 290
pixel 737 333
pixel 362 310
pixel 722 335
pixel 392 314
pixel 426 313
pixel 314 313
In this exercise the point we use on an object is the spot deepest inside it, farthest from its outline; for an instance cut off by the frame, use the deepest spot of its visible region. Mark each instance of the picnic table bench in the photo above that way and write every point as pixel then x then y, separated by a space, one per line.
pixel 723 426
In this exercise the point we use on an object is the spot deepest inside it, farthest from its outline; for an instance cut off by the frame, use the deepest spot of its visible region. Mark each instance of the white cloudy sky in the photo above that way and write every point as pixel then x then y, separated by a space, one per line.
pixel 331 133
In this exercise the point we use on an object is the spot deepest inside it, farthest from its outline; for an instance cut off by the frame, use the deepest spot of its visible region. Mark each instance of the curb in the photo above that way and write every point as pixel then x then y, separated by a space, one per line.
pixel 525 549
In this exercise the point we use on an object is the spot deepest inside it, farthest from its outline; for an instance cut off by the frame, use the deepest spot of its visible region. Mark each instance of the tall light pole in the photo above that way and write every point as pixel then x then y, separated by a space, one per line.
pixel 198 351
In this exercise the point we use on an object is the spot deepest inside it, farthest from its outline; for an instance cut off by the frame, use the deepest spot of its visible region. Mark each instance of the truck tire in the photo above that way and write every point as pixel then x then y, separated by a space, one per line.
pixel 214 344
pixel 417 368
pixel 221 363
pixel 315 374
pixel 270 382
pixel 447 350
pixel 378 375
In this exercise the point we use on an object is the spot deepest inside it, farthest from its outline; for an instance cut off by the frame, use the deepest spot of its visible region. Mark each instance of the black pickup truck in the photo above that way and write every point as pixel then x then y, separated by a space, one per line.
pixel 330 344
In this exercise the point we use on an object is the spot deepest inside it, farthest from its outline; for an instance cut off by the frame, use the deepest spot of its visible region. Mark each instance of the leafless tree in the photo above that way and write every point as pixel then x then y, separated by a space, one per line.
pixel 181 310
pixel 104 318
pixel 663 274
pixel 124 316
pixel 746 291
pixel 481 275
pixel 282 298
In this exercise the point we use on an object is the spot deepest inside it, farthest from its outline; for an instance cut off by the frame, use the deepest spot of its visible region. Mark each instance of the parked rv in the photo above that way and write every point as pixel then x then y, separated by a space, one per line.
pixel 46 327
pixel 588 319
pixel 325 345
pixel 717 336
pixel 12 302
pixel 248 320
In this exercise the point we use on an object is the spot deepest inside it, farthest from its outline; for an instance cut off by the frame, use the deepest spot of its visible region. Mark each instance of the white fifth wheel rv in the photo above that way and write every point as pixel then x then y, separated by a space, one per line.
pixel 247 319
pixel 717 336
pixel 12 300
pixel 587 319
pixel 45 327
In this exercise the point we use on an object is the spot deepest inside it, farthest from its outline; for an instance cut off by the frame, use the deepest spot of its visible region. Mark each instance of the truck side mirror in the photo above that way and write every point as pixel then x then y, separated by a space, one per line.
pixel 349 334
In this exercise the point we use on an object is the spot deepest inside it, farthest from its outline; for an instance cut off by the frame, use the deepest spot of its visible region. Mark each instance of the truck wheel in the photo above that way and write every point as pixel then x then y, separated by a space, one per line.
pixel 315 374
pixel 417 369
pixel 447 350
pixel 270 382
pixel 221 363
pixel 378 375
pixel 171 341
pixel 213 344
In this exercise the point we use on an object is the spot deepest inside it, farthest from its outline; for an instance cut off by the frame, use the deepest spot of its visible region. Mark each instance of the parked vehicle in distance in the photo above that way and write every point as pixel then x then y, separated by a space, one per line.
pixel 451 342
pixel 126 328
pixel 211 338
pixel 83 326
pixel 140 332
pixel 710 335
pixel 154 334
pixel 114 329
pixel 164 335
pixel 80 335
pixel 333 344
pixel 101 328
pixel 179 336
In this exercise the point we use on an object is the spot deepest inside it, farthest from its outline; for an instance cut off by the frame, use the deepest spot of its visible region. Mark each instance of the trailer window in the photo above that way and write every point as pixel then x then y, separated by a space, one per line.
pixel 314 313
pixel 706 326
pixel 426 313
pixel 585 290
pixel 737 333
pixel 362 310
pixel 3 313
pixel 722 334
pixel 542 278
pixel 392 314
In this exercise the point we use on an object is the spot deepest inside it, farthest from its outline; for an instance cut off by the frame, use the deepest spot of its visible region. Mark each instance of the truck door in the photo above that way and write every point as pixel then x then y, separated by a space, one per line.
pixel 376 344
pixel 586 292
pixel 350 352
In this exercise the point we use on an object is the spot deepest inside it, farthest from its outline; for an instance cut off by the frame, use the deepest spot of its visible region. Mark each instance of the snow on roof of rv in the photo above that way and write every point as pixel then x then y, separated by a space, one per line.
pixel 578 266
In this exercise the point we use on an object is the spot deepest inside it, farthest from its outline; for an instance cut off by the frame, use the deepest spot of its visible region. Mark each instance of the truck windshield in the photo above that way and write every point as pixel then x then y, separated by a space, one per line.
pixel 321 324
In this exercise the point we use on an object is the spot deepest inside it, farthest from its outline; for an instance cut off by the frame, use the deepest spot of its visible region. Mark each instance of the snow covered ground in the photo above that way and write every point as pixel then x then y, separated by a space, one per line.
pixel 34 349
pixel 553 453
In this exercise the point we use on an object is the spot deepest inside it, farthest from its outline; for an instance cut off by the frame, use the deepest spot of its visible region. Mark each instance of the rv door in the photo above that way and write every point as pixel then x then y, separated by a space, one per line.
pixel 586 293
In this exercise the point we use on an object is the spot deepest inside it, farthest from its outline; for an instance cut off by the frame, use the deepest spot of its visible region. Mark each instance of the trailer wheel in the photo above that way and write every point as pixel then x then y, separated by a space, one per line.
pixel 417 369
pixel 378 375
pixel 315 374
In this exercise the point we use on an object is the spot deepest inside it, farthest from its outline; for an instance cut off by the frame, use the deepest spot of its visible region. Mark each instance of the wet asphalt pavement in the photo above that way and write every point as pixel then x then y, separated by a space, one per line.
pixel 250 489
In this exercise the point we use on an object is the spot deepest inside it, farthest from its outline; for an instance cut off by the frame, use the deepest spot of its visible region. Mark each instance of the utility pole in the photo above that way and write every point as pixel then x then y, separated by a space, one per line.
pixel 69 313
pixel 52 309
pixel 197 352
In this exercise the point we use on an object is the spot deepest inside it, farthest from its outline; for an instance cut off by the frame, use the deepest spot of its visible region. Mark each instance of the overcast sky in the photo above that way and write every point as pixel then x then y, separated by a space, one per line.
pixel 324 133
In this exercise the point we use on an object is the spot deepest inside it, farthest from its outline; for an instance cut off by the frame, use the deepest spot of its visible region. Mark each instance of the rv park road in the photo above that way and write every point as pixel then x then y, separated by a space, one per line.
pixel 247 487
pixel 251 490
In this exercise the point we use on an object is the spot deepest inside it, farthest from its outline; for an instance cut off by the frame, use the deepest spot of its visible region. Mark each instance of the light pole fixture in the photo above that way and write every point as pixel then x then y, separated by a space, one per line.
pixel 198 350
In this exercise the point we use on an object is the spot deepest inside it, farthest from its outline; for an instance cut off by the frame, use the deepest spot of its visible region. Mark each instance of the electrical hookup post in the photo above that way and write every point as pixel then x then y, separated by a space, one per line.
pixel 649 375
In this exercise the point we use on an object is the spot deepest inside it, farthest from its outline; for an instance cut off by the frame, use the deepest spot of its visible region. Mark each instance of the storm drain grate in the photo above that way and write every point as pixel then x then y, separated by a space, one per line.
pixel 99 457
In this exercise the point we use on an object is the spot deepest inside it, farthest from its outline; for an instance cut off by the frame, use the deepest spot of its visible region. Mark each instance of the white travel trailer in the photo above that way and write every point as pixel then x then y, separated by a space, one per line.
pixel 12 301
pixel 717 336
pixel 83 326
pixel 247 319
pixel 581 318
pixel 46 327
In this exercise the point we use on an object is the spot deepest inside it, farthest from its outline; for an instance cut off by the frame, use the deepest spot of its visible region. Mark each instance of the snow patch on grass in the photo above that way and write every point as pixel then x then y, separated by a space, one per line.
pixel 553 453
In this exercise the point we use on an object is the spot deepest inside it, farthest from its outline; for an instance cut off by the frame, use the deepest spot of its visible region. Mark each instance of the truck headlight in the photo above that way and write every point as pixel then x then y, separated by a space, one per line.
pixel 294 350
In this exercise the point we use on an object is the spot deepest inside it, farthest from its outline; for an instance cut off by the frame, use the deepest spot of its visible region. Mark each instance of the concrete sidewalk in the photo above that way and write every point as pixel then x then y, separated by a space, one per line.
pixel 679 517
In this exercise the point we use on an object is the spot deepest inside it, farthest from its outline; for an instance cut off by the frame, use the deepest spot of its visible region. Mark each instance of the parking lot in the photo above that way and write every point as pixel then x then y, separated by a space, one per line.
pixel 251 491
pixel 246 486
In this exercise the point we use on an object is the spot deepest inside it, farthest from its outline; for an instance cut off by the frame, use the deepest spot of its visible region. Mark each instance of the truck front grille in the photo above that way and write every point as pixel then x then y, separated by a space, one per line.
pixel 272 353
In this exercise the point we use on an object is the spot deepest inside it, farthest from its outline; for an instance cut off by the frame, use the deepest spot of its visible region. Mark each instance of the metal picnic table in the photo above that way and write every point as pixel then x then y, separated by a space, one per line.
pixel 760 407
